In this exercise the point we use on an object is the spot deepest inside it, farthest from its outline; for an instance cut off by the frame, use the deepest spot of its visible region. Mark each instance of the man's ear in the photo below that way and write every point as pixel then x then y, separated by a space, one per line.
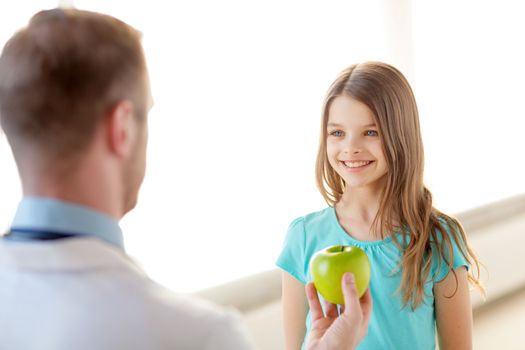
pixel 120 129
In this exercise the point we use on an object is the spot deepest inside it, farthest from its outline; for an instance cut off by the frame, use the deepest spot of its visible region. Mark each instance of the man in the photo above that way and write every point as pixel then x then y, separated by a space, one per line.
pixel 74 100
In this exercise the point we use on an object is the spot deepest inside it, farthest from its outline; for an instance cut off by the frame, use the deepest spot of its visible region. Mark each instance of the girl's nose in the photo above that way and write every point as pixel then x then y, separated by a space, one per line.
pixel 353 151
pixel 353 146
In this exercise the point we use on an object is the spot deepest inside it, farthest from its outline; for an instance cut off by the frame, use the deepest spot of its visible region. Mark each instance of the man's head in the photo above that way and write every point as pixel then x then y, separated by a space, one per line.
pixel 67 79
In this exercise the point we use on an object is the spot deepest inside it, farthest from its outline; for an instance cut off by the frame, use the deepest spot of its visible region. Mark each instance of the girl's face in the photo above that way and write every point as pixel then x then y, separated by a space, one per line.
pixel 353 144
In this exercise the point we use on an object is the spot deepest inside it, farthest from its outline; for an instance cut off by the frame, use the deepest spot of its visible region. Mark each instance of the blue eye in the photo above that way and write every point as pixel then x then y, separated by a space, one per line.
pixel 371 133
pixel 336 133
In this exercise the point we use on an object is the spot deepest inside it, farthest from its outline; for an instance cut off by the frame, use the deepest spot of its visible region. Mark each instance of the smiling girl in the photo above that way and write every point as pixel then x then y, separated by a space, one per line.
pixel 370 172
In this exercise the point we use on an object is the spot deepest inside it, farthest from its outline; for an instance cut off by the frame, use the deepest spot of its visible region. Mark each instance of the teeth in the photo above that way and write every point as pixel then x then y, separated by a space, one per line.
pixel 356 164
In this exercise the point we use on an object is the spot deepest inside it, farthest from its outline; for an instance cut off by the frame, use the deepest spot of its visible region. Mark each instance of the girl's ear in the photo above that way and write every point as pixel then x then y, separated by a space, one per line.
pixel 120 129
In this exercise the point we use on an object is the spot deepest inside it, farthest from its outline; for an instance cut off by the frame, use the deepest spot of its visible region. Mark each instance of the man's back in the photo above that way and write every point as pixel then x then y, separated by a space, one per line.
pixel 82 293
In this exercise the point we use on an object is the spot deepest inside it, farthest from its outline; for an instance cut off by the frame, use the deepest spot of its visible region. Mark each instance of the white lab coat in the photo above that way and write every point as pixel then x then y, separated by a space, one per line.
pixel 85 294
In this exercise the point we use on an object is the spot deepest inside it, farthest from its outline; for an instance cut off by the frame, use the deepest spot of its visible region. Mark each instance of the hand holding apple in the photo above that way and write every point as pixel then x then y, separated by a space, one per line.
pixel 333 330
pixel 329 265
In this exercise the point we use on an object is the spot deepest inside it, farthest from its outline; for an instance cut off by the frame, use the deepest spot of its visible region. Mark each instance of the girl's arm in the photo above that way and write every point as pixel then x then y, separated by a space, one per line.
pixel 295 308
pixel 454 314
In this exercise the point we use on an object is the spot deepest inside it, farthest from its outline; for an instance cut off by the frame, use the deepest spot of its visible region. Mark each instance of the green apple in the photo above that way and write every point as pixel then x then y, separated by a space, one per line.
pixel 329 265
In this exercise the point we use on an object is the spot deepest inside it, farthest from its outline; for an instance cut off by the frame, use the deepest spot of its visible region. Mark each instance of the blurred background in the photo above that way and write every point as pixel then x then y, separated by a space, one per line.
pixel 238 88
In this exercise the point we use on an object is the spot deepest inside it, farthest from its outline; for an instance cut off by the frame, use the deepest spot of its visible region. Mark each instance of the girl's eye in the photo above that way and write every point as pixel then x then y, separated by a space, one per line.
pixel 371 133
pixel 336 133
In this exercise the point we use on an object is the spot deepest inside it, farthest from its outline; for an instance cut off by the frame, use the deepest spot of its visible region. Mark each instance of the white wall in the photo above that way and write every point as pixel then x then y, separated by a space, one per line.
pixel 469 75
pixel 238 88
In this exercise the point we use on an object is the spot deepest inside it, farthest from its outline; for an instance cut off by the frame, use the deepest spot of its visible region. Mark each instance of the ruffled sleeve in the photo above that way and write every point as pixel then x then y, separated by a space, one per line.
pixel 458 260
pixel 292 257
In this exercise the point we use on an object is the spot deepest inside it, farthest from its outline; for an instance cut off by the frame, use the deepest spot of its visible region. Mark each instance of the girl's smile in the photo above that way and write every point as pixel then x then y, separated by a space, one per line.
pixel 356 165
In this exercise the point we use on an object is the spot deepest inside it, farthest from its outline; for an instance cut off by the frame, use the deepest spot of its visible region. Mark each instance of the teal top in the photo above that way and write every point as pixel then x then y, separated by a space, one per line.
pixel 391 325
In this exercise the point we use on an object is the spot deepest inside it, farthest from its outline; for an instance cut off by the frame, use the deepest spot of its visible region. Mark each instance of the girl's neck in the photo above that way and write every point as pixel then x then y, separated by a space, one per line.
pixel 361 203
pixel 356 212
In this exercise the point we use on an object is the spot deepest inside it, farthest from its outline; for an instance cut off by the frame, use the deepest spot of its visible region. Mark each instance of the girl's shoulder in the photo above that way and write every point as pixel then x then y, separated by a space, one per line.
pixel 303 239
pixel 448 245
pixel 445 225
pixel 314 220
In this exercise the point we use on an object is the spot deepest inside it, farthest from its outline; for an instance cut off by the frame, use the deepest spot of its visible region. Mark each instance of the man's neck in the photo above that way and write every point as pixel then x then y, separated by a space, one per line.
pixel 92 189
pixel 84 199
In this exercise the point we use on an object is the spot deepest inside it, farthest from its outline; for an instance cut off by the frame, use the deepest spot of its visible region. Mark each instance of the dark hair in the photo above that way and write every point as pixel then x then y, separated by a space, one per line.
pixel 62 73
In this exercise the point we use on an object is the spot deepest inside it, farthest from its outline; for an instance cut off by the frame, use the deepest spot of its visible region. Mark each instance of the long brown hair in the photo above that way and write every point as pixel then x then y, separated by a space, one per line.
pixel 426 232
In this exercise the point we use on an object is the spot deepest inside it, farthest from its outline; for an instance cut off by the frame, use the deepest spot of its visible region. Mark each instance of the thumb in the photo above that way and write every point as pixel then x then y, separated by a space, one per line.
pixel 350 294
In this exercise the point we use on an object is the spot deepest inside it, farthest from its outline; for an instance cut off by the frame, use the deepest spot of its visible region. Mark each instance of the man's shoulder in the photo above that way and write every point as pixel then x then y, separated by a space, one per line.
pixel 186 306
pixel 96 289
pixel 192 321
pixel 182 319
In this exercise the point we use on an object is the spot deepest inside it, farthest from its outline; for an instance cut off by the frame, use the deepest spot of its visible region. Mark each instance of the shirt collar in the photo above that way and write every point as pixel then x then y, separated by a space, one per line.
pixel 40 213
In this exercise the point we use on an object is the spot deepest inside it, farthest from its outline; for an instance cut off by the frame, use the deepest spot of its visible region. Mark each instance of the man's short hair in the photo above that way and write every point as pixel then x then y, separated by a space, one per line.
pixel 62 73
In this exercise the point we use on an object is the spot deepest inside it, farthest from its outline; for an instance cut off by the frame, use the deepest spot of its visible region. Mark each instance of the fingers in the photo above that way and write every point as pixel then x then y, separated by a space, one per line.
pixel 330 309
pixel 316 311
pixel 315 306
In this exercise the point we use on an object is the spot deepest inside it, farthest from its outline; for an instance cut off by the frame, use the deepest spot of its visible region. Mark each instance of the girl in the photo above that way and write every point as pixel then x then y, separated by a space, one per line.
pixel 370 172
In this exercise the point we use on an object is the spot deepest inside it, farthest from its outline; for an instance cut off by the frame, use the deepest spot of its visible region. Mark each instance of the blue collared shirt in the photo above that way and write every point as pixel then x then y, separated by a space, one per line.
pixel 52 215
